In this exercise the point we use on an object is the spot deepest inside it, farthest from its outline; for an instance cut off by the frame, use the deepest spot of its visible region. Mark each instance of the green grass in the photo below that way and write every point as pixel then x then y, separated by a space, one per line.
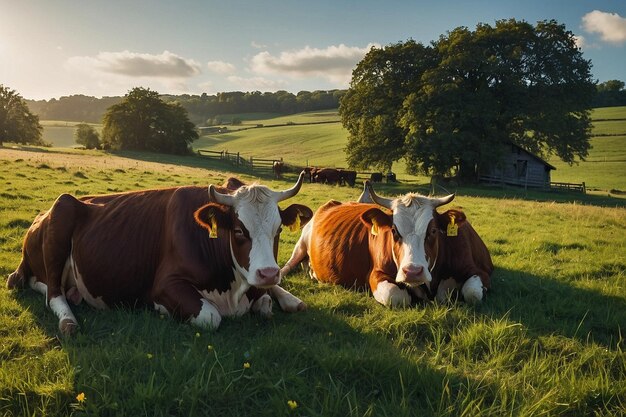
pixel 609 127
pixel 609 113
pixel 323 145
pixel 604 168
pixel 548 339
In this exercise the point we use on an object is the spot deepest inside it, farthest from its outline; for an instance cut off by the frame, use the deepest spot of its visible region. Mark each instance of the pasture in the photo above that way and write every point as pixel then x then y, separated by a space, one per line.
pixel 320 143
pixel 548 340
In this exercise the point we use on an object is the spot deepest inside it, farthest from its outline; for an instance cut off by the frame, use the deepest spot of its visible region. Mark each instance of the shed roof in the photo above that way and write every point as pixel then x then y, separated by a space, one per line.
pixel 535 156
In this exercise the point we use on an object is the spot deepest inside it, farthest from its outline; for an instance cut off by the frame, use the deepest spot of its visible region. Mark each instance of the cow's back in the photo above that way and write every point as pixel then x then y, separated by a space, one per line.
pixel 339 250
pixel 116 246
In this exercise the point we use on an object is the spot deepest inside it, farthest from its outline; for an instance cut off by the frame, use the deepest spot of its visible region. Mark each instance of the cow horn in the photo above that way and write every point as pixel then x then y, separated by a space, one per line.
pixel 436 202
pixel 224 199
pixel 365 196
pixel 283 195
pixel 381 201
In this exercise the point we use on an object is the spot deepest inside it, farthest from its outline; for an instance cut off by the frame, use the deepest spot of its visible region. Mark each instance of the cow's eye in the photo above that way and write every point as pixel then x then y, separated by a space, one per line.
pixel 239 233
pixel 395 233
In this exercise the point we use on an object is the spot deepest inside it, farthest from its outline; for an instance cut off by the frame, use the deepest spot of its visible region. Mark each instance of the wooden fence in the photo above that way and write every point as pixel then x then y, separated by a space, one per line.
pixel 566 186
pixel 256 164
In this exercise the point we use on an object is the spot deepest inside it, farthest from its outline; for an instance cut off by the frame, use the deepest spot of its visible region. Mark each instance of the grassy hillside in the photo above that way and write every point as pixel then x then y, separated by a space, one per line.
pixel 323 145
pixel 547 341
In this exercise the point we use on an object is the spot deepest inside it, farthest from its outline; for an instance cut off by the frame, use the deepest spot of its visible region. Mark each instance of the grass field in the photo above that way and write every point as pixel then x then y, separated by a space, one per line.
pixel 323 145
pixel 548 340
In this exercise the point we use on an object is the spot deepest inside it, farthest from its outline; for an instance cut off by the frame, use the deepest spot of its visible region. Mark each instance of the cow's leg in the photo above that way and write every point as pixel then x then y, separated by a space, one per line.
pixel 17 279
pixel 181 299
pixel 389 294
pixel 287 301
pixel 263 306
pixel 473 290
pixel 446 290
pixel 57 247
pixel 300 250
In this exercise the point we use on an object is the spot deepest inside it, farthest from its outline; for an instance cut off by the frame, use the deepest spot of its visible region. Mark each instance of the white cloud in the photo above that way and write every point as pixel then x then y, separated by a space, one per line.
pixel 221 67
pixel 581 42
pixel 610 26
pixel 132 64
pixel 256 83
pixel 335 63
pixel 257 45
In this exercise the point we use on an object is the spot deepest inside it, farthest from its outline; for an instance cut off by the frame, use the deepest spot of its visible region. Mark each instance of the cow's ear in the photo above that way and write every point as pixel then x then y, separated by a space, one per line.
pixel 295 216
pixel 376 219
pixel 212 217
pixel 450 217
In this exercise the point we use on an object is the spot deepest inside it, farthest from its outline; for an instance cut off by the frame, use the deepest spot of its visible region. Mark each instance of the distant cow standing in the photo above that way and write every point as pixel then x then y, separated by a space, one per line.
pixel 310 172
pixel 327 176
pixel 194 254
pixel 347 176
pixel 278 168
pixel 376 177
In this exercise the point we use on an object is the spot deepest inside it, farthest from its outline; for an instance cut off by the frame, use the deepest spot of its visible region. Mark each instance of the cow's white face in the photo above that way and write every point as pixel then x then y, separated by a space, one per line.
pixel 254 237
pixel 253 223
pixel 412 215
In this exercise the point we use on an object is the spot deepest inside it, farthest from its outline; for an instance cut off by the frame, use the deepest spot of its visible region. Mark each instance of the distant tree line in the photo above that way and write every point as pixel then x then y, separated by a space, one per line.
pixel 202 109
pixel 610 94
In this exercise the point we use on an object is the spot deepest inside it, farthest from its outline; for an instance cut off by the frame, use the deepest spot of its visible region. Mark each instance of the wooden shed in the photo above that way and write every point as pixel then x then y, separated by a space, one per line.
pixel 521 168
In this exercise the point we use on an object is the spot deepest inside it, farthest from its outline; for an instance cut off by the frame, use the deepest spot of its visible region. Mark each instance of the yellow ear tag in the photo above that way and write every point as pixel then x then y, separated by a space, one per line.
pixel 374 229
pixel 213 230
pixel 453 228
pixel 295 226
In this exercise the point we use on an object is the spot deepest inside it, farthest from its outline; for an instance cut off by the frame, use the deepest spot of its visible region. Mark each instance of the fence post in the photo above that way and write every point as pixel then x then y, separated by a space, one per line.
pixel 584 188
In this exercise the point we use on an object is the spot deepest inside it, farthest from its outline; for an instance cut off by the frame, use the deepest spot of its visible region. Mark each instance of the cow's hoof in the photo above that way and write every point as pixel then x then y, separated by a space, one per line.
pixel 263 306
pixel 390 295
pixel 15 280
pixel 301 306
pixel 68 327
pixel 473 290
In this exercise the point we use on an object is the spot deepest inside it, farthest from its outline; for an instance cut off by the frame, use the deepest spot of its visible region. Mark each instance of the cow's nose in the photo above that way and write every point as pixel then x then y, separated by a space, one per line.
pixel 412 272
pixel 269 276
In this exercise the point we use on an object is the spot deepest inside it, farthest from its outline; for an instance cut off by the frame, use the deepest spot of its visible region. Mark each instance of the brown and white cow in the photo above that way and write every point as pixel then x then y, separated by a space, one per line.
pixel 277 168
pixel 359 245
pixel 190 253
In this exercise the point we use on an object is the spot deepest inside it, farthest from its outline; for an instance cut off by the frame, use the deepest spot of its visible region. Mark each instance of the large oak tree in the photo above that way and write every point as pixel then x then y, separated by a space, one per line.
pixel 142 121
pixel 17 123
pixel 495 85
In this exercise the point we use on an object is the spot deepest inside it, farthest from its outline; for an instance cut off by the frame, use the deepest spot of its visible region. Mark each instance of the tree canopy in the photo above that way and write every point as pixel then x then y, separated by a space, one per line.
pixel 610 93
pixel 87 136
pixel 142 121
pixel 17 123
pixel 467 94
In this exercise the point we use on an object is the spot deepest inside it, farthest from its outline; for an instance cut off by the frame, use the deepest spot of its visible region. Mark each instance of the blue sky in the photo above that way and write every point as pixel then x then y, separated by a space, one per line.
pixel 104 48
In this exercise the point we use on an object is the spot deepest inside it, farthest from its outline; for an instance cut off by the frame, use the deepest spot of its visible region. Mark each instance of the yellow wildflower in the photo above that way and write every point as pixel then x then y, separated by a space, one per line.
pixel 197 334
pixel 81 397
pixel 149 355
pixel 210 347
pixel 246 365
pixel 292 404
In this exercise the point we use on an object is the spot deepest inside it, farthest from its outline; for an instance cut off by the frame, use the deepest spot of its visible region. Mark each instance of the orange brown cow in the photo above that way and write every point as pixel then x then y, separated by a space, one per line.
pixel 396 251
